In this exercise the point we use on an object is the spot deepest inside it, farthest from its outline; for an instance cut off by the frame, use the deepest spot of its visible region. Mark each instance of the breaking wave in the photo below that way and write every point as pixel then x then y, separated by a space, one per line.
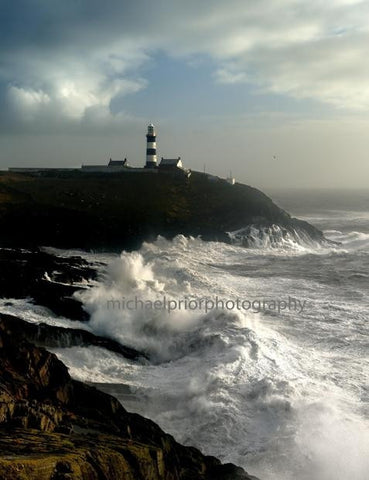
pixel 279 394
pixel 349 240
pixel 274 237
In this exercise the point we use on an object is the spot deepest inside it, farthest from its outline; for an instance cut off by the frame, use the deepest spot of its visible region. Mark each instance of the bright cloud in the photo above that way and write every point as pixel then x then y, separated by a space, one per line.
pixel 30 100
pixel 69 59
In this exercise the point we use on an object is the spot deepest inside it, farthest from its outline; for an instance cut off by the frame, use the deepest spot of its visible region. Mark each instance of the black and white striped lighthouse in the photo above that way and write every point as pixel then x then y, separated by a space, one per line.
pixel 151 160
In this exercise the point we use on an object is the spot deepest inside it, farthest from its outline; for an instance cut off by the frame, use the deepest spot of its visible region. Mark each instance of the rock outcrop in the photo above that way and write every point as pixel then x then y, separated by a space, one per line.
pixel 47 279
pixel 54 428
pixel 51 336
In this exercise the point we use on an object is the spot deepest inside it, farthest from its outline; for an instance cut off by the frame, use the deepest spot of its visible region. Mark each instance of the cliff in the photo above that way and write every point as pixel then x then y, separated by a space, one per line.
pixel 96 210
pixel 55 428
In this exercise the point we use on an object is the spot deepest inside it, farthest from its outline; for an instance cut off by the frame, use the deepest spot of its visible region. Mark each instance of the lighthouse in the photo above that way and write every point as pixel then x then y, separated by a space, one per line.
pixel 151 161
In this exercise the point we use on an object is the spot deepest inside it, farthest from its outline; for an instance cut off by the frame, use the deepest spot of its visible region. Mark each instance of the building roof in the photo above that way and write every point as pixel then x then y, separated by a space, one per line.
pixel 117 163
pixel 171 162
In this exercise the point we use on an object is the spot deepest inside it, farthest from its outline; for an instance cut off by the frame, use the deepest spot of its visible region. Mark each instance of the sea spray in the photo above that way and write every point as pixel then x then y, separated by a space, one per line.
pixel 275 237
pixel 280 393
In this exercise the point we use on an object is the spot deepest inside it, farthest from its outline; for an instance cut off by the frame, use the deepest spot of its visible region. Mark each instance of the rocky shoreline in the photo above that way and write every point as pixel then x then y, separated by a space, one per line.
pixel 53 427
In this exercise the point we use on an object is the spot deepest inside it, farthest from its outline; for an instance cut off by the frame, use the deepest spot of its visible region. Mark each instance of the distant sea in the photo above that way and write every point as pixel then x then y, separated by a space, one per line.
pixel 276 388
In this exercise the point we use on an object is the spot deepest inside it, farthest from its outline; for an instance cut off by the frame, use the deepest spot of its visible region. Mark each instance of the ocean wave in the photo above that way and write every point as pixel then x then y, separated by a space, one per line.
pixel 275 237
pixel 263 392
pixel 279 239
pixel 351 241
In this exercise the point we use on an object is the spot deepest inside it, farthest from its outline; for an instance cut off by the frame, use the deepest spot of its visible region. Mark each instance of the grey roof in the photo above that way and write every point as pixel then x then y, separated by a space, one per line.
pixel 170 162
pixel 117 163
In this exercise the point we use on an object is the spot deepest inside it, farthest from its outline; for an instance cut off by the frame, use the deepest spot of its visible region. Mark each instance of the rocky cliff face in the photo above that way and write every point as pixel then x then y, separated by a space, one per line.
pixel 121 210
pixel 47 279
pixel 54 428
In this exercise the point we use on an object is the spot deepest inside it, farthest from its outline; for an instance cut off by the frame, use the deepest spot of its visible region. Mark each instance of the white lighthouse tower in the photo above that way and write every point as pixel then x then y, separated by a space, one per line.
pixel 151 161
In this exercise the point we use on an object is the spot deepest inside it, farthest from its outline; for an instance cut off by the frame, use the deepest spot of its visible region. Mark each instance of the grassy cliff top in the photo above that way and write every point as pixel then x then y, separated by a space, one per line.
pixel 77 209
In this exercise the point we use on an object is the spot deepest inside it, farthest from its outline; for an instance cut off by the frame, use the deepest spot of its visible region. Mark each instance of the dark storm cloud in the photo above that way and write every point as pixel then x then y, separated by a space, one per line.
pixel 65 61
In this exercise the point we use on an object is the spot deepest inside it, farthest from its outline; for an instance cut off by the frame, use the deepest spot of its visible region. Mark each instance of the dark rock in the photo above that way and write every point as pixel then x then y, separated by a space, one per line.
pixel 51 336
pixel 88 210
pixel 46 278
pixel 22 275
pixel 39 403
pixel 228 471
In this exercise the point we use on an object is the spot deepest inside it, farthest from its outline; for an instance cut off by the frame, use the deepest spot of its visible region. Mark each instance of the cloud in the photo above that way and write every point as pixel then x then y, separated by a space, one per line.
pixel 67 61
pixel 66 88
pixel 30 100
pixel 330 69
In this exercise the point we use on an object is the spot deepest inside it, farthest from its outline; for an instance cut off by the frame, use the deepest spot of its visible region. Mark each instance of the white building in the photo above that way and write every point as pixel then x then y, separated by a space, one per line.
pixel 167 165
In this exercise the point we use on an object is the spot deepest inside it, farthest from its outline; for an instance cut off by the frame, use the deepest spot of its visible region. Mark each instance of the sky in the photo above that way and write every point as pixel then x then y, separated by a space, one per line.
pixel 275 91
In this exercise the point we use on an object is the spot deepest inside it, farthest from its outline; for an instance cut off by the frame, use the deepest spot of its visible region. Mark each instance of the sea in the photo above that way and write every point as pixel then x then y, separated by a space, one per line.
pixel 258 354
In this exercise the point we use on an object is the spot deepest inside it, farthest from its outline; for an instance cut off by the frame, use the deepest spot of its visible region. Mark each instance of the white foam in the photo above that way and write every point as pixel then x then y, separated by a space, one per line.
pixel 274 238
pixel 351 241
pixel 283 394
pixel 26 310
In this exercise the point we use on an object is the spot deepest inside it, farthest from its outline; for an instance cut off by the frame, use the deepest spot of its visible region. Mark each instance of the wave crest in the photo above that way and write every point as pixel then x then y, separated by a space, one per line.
pixel 273 237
